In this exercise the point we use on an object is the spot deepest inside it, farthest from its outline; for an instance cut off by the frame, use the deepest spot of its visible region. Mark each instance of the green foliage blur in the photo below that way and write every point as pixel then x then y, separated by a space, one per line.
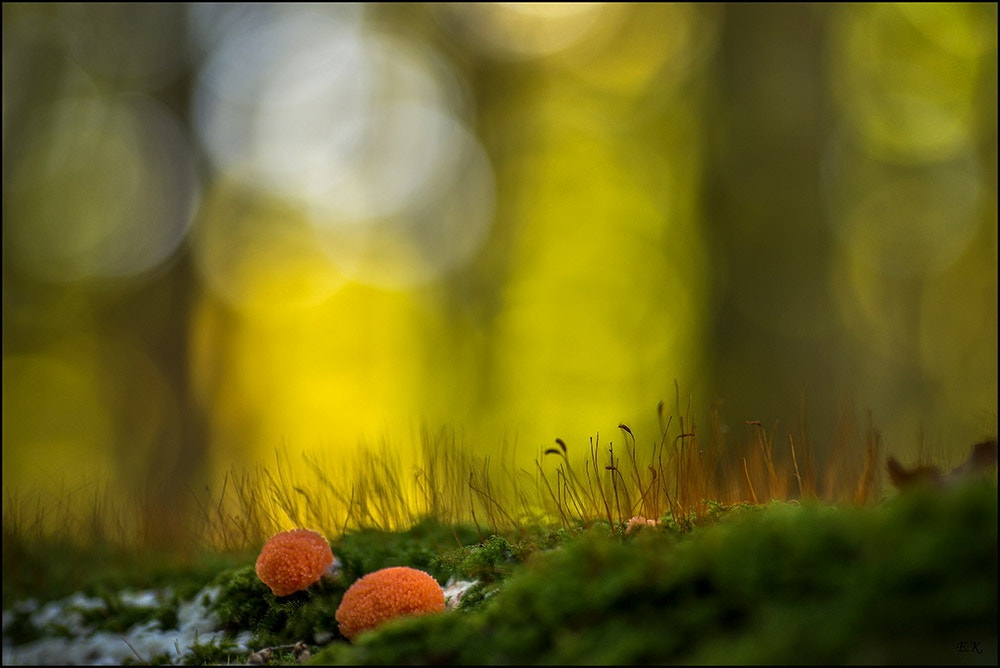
pixel 228 229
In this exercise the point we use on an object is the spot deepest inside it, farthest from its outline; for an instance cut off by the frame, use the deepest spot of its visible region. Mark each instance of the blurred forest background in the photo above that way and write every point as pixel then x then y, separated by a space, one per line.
pixel 233 228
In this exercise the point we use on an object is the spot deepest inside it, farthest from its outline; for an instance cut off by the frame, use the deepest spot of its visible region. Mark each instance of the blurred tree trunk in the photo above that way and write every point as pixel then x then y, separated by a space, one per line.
pixel 161 436
pixel 773 318
pixel 170 466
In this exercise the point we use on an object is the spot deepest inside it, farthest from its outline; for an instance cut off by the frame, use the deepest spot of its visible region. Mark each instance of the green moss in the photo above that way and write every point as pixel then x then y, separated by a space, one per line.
pixel 487 564
pixel 367 551
pixel 56 630
pixel 242 602
pixel 490 561
pixel 115 616
pixel 166 614
pixel 905 582
pixel 215 653
pixel 161 659
pixel 20 629
pixel 478 594
pixel 908 581
pixel 246 604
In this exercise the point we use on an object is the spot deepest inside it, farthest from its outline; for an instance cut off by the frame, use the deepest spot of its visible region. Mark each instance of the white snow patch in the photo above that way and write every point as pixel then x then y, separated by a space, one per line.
pixel 454 590
pixel 196 624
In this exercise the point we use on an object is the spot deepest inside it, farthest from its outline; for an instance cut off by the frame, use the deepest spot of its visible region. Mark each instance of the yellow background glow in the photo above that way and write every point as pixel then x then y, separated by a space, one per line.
pixel 231 229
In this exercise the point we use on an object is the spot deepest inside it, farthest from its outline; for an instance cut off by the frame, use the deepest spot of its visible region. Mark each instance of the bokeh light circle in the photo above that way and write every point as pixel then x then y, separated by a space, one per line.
pixel 361 131
pixel 446 220
pixel 905 76
pixel 107 187
pixel 260 253
pixel 902 219
pixel 525 30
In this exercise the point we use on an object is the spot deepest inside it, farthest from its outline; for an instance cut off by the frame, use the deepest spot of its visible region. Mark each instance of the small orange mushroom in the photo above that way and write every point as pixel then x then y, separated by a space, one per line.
pixel 292 560
pixel 387 594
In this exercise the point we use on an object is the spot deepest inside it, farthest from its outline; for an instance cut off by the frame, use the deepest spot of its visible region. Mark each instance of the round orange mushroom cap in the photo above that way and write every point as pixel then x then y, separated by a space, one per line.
pixel 292 560
pixel 386 594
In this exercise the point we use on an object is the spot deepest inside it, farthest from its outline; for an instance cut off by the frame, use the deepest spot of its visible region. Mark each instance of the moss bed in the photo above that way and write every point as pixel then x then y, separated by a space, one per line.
pixel 912 580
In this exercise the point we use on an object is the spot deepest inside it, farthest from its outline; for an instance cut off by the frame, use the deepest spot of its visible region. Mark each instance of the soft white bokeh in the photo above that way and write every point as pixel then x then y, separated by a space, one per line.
pixel 360 130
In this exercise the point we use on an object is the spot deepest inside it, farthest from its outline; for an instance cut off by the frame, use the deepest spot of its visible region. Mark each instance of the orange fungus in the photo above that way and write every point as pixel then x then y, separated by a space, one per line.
pixel 386 594
pixel 292 560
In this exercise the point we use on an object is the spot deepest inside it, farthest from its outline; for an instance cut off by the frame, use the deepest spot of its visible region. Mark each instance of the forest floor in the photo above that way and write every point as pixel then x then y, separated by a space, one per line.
pixel 908 580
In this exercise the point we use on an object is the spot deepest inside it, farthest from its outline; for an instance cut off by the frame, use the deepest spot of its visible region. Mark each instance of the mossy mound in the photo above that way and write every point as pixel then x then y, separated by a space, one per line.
pixel 245 603
pixel 913 580
pixel 363 552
